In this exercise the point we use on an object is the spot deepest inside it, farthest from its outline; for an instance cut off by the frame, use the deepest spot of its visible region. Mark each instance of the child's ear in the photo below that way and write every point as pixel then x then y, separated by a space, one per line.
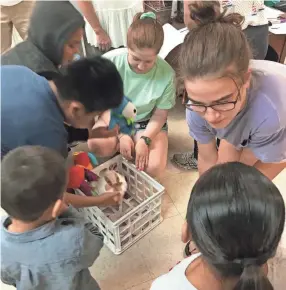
pixel 247 79
pixel 59 207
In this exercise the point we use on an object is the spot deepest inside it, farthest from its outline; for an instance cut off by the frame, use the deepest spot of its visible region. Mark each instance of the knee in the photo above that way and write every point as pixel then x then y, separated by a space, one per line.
pixel 155 169
pixel 102 148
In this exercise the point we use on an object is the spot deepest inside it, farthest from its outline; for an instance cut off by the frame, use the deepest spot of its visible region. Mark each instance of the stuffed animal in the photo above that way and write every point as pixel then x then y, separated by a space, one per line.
pixel 123 116
pixel 109 181
pixel 80 175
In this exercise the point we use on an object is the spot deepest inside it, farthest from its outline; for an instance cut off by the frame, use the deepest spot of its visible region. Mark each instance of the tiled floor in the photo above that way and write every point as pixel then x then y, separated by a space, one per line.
pixel 161 249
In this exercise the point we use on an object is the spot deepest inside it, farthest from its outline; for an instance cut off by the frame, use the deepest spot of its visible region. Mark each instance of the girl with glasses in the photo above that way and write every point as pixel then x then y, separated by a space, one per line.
pixel 227 99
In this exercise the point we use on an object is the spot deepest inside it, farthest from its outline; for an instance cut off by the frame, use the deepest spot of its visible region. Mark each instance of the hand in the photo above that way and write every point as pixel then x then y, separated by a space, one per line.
pixel 142 155
pixel 103 40
pixel 186 235
pixel 103 132
pixel 126 146
pixel 108 198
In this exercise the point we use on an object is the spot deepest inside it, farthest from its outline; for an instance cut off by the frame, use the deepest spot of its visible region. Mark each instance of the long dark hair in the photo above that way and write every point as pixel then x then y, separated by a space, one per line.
pixel 236 216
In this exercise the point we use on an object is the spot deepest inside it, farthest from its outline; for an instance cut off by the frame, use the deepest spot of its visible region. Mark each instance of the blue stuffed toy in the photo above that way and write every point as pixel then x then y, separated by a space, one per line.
pixel 123 116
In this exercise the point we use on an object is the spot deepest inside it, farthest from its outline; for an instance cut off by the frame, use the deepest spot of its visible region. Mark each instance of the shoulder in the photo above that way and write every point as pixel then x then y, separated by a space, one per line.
pixel 8 70
pixel 118 58
pixel 164 68
pixel 176 278
pixel 268 103
pixel 28 55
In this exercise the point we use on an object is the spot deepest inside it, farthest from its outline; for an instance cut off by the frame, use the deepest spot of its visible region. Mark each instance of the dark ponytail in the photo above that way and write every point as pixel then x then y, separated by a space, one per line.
pixel 253 278
pixel 236 216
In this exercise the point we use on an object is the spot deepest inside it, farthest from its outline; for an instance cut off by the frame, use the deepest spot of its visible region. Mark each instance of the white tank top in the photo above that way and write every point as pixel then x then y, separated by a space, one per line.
pixel 176 279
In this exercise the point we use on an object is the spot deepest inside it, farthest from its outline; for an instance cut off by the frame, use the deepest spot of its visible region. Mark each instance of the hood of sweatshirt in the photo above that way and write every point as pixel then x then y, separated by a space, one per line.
pixel 51 25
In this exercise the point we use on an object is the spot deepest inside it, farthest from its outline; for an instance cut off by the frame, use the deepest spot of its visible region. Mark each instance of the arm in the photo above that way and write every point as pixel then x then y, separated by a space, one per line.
pixel 207 157
pixel 156 123
pixel 227 152
pixel 78 201
pixel 271 170
pixel 187 14
pixel 91 244
pixel 89 13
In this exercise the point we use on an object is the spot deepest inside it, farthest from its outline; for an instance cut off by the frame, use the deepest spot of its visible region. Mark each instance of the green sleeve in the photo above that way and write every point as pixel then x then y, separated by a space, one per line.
pixel 168 98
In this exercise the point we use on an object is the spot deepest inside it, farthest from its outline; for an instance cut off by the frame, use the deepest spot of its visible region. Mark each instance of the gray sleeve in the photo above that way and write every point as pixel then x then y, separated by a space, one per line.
pixel 198 129
pixel 269 148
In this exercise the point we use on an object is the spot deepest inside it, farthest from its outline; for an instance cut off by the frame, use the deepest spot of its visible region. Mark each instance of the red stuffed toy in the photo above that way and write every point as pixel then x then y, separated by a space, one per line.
pixel 80 174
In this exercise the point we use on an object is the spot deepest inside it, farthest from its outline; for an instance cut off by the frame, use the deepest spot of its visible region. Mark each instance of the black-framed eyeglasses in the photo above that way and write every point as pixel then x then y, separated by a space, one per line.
pixel 220 107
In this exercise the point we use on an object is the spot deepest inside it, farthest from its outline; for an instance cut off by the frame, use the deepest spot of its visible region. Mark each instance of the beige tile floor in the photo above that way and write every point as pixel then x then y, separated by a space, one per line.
pixel 161 249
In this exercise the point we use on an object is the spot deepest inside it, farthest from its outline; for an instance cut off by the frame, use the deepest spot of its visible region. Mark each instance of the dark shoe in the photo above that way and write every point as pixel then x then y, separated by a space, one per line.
pixel 186 161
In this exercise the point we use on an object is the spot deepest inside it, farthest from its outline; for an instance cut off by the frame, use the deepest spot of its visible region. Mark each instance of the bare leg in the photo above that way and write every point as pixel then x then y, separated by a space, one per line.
pixel 104 147
pixel 158 153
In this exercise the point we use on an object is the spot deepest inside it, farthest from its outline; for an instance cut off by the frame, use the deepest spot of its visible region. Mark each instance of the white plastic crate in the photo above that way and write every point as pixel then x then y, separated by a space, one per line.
pixel 141 208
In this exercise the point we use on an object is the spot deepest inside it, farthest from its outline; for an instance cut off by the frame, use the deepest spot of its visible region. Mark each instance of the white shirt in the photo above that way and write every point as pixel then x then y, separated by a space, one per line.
pixel 176 279
pixel 253 11
pixel 9 2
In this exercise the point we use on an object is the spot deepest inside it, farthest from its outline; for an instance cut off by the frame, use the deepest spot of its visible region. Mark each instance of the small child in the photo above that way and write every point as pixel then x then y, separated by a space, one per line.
pixel 236 216
pixel 44 245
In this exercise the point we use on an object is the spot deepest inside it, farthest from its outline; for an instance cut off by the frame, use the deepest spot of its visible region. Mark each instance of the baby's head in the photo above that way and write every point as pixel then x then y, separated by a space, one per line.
pixel 236 216
pixel 33 181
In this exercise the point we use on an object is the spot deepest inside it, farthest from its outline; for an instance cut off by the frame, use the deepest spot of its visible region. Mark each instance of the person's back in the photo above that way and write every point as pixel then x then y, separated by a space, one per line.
pixel 43 245
pixel 29 108
pixel 236 218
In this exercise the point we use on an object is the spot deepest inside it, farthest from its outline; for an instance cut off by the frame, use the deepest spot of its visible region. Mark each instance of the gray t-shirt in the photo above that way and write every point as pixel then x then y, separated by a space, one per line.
pixel 260 126
pixel 55 256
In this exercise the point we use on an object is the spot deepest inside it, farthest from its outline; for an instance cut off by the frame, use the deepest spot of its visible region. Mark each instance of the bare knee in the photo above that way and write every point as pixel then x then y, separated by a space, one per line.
pixel 103 147
pixel 155 169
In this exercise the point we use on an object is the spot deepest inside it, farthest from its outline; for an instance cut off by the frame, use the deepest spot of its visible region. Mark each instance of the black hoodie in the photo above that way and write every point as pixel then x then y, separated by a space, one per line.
pixel 52 23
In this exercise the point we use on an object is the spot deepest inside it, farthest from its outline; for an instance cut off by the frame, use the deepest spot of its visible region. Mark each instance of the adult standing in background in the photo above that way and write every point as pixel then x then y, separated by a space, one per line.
pixel 108 21
pixel 14 13
pixel 254 26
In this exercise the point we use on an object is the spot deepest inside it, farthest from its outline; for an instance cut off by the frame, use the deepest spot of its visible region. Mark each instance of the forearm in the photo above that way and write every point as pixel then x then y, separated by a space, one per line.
pixel 89 13
pixel 157 121
pixel 207 157
pixel 187 14
pixel 205 164
pixel 271 170
pixel 79 201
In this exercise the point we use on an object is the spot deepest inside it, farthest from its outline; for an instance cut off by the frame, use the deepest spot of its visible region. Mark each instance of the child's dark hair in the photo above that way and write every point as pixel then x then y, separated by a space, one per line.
pixel 236 216
pixel 94 82
pixel 32 179
pixel 145 32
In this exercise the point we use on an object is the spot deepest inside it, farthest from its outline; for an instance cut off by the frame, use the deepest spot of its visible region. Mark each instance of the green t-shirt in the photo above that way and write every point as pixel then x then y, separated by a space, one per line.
pixel 155 89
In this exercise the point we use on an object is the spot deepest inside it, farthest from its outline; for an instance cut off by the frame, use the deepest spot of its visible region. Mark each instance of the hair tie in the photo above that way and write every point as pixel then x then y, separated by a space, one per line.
pixel 149 14
pixel 258 261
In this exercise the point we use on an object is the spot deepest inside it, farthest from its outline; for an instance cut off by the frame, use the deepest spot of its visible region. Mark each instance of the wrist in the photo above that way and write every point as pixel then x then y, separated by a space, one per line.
pixel 146 140
pixel 97 30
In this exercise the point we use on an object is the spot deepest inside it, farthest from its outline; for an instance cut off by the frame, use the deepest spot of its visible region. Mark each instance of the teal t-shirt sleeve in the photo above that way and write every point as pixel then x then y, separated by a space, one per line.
pixel 168 98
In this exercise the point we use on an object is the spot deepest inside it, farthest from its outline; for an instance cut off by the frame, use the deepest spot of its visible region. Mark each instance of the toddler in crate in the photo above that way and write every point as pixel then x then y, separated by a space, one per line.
pixel 45 245
pixel 236 216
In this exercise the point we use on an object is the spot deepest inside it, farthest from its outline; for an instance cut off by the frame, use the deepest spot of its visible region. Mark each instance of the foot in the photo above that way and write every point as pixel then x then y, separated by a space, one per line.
pixel 186 161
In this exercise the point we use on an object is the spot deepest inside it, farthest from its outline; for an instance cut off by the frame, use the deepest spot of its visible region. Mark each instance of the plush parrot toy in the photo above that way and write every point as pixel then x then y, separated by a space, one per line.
pixel 123 116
